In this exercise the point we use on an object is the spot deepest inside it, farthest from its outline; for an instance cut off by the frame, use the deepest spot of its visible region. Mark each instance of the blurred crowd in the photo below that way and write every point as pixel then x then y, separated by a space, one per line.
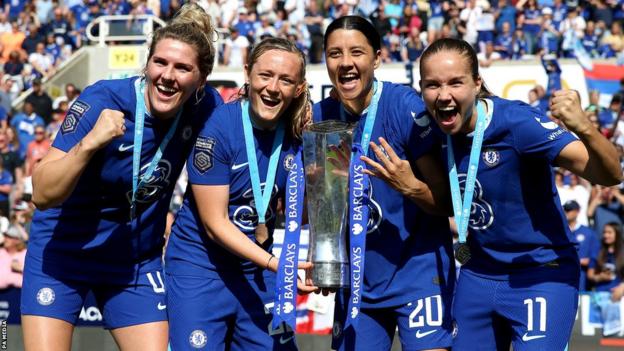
pixel 36 36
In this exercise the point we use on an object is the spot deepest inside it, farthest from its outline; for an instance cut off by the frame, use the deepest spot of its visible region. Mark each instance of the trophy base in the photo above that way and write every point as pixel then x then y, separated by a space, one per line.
pixel 331 275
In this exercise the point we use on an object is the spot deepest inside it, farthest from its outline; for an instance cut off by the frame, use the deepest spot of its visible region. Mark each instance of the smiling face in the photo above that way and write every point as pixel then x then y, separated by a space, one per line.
pixel 275 79
pixel 449 90
pixel 172 77
pixel 351 63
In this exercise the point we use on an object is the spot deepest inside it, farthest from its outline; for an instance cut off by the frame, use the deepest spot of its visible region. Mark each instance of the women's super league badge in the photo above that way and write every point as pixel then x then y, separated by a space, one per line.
pixel 462 253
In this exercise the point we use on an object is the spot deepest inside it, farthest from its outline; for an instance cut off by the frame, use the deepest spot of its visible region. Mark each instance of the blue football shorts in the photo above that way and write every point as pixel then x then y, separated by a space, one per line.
pixel 533 310
pixel 142 300
pixel 233 313
pixel 424 323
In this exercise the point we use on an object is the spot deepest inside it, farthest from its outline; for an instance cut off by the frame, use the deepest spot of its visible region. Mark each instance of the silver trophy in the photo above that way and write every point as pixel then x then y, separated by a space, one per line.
pixel 327 183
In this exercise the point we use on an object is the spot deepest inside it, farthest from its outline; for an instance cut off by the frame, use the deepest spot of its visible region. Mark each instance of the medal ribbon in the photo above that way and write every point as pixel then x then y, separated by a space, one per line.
pixel 139 121
pixel 261 198
pixel 462 211
pixel 286 282
pixel 358 208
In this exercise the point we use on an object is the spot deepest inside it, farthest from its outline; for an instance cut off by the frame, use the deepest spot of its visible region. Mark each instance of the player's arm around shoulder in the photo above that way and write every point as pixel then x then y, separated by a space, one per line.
pixel 592 157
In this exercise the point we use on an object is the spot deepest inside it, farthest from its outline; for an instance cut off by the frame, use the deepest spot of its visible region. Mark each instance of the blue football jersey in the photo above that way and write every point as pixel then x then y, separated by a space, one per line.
pixel 90 235
pixel 219 157
pixel 408 252
pixel 516 219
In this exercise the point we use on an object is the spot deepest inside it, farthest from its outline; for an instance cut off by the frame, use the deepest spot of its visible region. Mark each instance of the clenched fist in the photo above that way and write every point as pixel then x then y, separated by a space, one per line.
pixel 566 107
pixel 110 125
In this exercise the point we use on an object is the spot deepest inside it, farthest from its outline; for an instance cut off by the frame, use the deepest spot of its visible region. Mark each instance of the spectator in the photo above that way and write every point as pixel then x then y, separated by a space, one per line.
pixel 53 49
pixel 14 66
pixel 488 57
pixel 601 12
pixel 435 20
pixel 34 37
pixel 314 22
pixel 57 120
pixel 41 61
pixel 572 28
pixel 485 29
pixel 380 21
pixel 608 116
pixel 44 11
pixel 60 26
pixel 560 12
pixel 469 17
pixel 5 25
pixel 41 101
pixel 14 8
pixel 585 237
pixel 577 190
pixel 530 20
pixel 590 40
pixel 612 42
pixel 504 41
pixel 235 51
pixel 37 149
pixel 11 161
pixel 606 205
pixel 24 124
pixel 606 270
pixel 505 13
pixel 12 255
pixel 548 36
pixel 6 98
pixel 11 41
pixel 266 29
pixel 244 25
pixel 71 93
pixel 412 46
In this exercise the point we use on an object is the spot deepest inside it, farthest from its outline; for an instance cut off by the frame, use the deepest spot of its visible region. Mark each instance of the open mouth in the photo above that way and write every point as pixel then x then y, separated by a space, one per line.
pixel 447 114
pixel 165 90
pixel 269 101
pixel 348 80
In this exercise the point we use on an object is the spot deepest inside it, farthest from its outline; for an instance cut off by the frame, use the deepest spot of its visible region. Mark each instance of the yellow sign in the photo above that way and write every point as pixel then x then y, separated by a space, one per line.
pixel 123 58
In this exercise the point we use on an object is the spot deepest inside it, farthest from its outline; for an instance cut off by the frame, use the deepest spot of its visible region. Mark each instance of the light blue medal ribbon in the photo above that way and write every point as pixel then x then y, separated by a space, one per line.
pixel 261 198
pixel 286 283
pixel 462 211
pixel 139 87
pixel 358 209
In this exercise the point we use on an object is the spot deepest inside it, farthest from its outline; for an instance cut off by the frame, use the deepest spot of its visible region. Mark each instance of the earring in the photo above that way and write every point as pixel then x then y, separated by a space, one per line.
pixel 200 91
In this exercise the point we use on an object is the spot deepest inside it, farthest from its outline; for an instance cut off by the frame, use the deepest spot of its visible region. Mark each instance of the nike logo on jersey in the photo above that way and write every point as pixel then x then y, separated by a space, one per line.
pixel 161 306
pixel 283 341
pixel 235 166
pixel 525 337
pixel 548 125
pixel 123 147
pixel 423 121
pixel 422 335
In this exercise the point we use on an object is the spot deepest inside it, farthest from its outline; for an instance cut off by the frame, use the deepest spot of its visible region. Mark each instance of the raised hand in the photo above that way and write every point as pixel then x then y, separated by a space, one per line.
pixel 110 125
pixel 566 107
pixel 392 170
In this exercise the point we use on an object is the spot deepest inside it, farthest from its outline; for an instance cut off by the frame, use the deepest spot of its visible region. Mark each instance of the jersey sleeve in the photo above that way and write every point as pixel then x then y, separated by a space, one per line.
pixel 209 161
pixel 81 116
pixel 535 134
pixel 411 123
